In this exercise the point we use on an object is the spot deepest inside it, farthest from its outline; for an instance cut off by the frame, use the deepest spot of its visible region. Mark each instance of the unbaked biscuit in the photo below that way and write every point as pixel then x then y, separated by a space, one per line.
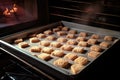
pixel 65 29
pixel 78 50
pixel 93 54
pixel 61 63
pixel 34 40
pixel 45 43
pixel 72 31
pixel 72 42
pixel 56 44
pixel 83 44
pixel 61 33
pixel 41 35
pixel 71 36
pixel 92 41
pixel 81 60
pixel 44 56
pixel 48 32
pixel 83 34
pixel 76 68
pixel 48 50
pixel 56 29
pixel 18 41
pixel 108 38
pixel 80 39
pixel 66 47
pixel 23 44
pixel 95 36
pixel 105 44
pixel 58 53
pixel 61 39
pixel 35 49
pixel 51 38
pixel 96 48
pixel 70 56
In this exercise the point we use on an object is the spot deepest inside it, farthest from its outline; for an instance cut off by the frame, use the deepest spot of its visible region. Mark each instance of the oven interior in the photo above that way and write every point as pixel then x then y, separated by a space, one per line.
pixel 18 15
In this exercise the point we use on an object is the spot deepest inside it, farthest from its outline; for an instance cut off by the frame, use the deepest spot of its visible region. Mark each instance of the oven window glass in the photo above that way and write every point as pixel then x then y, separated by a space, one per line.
pixel 14 12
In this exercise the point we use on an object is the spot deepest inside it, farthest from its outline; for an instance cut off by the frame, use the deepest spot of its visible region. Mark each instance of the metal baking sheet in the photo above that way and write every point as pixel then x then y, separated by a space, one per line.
pixel 7 43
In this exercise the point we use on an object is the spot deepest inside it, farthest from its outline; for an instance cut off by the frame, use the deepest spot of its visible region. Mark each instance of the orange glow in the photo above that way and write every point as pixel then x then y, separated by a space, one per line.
pixel 8 12
pixel 15 8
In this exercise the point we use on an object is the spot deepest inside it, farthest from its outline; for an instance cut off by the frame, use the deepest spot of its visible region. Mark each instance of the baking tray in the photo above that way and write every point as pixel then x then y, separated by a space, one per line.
pixel 47 66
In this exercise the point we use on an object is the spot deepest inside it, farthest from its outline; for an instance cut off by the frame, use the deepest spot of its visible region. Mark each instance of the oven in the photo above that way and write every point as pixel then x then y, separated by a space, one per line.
pixel 22 21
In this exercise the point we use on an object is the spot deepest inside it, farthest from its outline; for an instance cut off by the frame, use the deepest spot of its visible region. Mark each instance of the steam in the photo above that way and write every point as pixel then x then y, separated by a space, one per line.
pixel 90 12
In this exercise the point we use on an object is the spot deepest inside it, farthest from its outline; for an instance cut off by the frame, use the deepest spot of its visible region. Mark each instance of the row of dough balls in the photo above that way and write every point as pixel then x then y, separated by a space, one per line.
pixel 71 41
pixel 94 52
pixel 53 44
pixel 59 44
pixel 62 31
pixel 71 33
pixel 81 36
pixel 56 52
